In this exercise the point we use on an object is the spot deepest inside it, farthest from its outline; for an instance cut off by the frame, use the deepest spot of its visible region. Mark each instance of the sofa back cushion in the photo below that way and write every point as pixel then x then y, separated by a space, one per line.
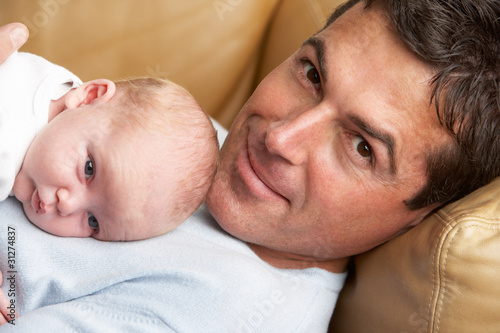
pixel 441 276
pixel 211 47
pixel 218 49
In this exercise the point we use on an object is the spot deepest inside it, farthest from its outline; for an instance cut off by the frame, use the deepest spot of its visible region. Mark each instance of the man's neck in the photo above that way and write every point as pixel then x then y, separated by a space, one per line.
pixel 291 261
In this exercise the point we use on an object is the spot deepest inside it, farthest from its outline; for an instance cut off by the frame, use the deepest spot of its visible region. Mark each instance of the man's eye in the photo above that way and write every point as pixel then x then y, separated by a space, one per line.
pixel 89 168
pixel 362 147
pixel 312 74
pixel 93 221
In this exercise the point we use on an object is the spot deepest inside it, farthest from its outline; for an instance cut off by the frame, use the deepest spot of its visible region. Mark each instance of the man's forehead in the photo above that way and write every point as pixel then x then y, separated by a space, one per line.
pixel 371 44
pixel 362 21
pixel 394 89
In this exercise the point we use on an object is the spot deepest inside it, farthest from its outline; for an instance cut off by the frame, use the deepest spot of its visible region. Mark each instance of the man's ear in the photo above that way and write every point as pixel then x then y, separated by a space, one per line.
pixel 93 92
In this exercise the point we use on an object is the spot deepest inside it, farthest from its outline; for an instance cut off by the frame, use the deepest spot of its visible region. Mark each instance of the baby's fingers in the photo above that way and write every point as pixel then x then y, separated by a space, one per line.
pixel 6 308
pixel 8 314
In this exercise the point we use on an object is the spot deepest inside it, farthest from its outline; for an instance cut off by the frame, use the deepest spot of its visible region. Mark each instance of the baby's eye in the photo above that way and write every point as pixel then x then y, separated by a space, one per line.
pixel 93 221
pixel 89 168
pixel 312 74
pixel 362 147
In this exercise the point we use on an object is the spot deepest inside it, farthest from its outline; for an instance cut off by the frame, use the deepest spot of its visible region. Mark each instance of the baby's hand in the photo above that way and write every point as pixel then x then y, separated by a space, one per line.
pixel 4 303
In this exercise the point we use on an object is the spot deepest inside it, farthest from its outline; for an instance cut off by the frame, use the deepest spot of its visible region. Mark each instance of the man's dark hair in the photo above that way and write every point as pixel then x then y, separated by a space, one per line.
pixel 460 41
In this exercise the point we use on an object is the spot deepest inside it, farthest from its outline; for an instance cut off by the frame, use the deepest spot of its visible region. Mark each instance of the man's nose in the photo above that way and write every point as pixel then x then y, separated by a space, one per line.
pixel 294 138
pixel 68 201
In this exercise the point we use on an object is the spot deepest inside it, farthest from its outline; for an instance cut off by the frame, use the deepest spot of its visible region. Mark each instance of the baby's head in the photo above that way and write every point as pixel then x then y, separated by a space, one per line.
pixel 123 162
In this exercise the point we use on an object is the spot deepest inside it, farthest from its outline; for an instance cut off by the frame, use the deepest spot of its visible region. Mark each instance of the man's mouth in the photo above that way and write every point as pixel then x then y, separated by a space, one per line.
pixel 255 167
pixel 258 179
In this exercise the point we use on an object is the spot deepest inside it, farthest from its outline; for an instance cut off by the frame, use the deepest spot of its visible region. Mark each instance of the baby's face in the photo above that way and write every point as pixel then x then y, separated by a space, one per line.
pixel 79 180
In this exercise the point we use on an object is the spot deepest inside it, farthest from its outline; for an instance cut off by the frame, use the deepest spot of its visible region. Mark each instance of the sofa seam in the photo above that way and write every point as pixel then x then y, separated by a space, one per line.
pixel 435 293
pixel 442 253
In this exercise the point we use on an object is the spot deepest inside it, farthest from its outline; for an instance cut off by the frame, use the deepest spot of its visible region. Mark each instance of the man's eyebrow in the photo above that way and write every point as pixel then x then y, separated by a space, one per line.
pixel 319 47
pixel 386 138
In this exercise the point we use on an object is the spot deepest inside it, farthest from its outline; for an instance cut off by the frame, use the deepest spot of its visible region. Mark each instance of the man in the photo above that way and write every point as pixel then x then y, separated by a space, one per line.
pixel 342 144
pixel 335 152
pixel 321 151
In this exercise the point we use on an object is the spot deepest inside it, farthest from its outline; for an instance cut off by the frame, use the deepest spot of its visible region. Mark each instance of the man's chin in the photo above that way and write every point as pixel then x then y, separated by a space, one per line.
pixel 221 205
pixel 212 198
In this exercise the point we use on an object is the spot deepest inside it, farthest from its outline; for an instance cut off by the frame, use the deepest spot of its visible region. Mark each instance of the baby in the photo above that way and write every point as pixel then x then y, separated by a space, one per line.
pixel 115 161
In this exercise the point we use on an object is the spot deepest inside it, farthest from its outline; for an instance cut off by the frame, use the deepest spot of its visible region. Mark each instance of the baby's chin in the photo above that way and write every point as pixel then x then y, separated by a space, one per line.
pixel 23 187
pixel 22 195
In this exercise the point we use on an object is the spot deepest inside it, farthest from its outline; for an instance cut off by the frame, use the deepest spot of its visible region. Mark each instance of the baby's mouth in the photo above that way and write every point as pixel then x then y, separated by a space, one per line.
pixel 37 203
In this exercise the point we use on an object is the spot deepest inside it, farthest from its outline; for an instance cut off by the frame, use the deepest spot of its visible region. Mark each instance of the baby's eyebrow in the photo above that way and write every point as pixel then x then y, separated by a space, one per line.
pixel 386 138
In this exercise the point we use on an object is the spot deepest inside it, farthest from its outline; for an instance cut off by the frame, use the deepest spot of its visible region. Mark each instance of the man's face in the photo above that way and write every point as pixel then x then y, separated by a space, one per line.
pixel 320 160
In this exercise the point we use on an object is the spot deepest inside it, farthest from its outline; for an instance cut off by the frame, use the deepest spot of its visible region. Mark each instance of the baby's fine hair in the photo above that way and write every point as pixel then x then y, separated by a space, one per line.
pixel 170 113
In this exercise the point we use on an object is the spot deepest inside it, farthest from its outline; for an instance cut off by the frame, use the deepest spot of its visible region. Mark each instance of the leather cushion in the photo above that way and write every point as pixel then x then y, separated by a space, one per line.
pixel 441 276
pixel 208 46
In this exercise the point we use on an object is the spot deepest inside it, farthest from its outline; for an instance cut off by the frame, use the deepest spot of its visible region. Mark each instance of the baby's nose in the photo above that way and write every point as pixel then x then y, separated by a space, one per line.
pixel 67 202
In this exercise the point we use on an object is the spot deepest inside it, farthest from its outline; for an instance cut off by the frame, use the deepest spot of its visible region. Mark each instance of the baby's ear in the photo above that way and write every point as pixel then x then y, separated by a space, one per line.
pixel 93 92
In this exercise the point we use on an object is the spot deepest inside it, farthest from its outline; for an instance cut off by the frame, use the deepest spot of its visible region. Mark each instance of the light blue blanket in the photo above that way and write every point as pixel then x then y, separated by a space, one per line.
pixel 196 278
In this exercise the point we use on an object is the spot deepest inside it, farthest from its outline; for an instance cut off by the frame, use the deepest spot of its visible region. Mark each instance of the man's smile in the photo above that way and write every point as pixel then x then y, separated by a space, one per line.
pixel 251 173
pixel 260 172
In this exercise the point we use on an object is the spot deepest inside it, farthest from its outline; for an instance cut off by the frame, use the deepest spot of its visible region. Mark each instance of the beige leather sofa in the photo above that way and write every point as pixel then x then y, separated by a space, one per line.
pixel 442 276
